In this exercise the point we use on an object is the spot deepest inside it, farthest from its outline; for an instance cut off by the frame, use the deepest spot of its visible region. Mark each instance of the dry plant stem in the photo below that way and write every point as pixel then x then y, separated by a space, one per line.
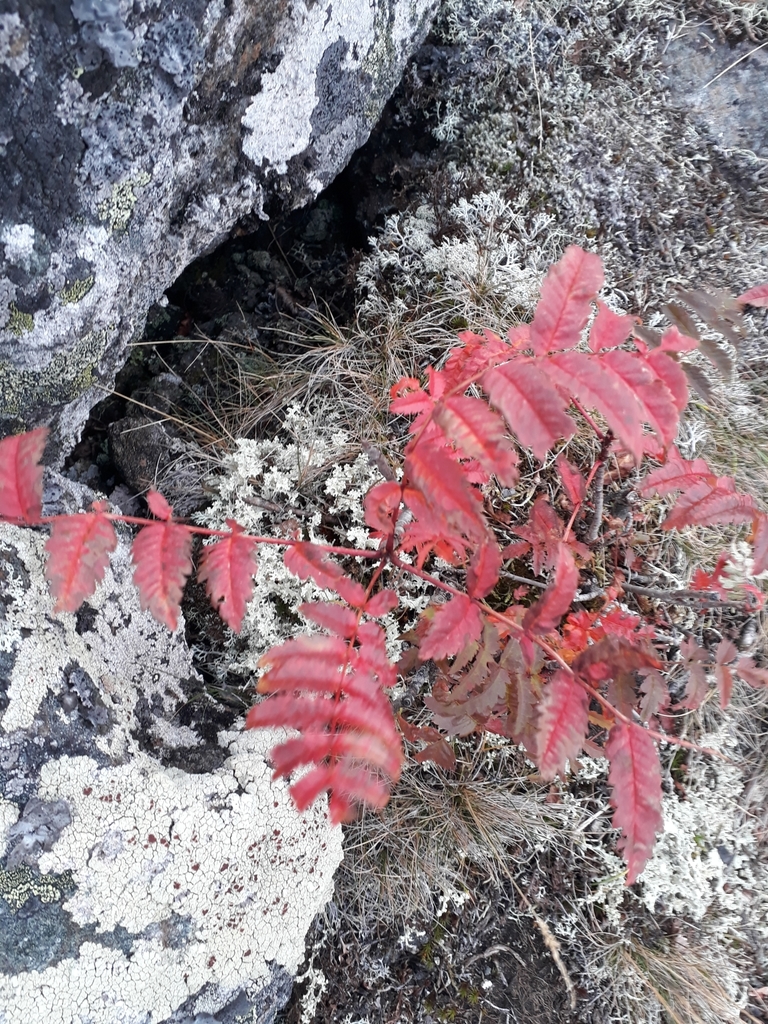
pixel 536 86
pixel 681 595
pixel 597 517
pixel 744 56
pixel 524 579
pixel 597 473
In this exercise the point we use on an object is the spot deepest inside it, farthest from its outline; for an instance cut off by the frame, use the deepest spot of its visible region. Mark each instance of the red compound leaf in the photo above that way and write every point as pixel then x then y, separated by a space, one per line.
pixel 612 655
pixel 752 675
pixel 158 506
pixel 725 653
pixel 530 403
pixel 697 687
pixel 382 603
pixel 409 399
pixel 476 353
pixel 635 776
pixel 455 624
pixel 227 568
pixel 78 553
pixel 336 618
pixel 655 694
pixel 381 504
pixel 544 532
pixel 566 300
pixel 484 566
pixel 446 491
pixel 21 476
pixel 162 558
pixel 603 385
pixel 562 724
pixel 671 374
pixel 331 692
pixel 311 561
pixel 437 749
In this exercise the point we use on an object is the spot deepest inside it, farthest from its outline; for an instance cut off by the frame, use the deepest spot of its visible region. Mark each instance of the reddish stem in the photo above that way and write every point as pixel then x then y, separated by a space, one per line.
pixel 203 531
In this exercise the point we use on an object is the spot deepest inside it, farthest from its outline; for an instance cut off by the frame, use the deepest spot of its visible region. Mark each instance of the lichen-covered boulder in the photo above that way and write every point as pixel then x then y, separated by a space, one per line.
pixel 134 135
pixel 150 871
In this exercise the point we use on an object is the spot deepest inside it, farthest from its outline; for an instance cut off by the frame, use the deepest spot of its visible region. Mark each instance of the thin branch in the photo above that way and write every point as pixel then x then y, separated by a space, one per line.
pixel 672 596
pixel 536 87
pixel 597 516
pixel 744 56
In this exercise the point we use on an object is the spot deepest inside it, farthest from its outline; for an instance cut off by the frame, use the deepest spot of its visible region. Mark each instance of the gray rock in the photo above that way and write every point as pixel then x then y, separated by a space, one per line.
pixel 149 867
pixel 135 135
pixel 723 88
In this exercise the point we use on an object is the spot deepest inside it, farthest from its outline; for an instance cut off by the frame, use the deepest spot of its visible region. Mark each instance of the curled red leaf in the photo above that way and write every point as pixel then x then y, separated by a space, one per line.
pixel 545 614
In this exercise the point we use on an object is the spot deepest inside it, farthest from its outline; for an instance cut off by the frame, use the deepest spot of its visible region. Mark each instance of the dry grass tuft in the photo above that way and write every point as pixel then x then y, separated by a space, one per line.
pixel 440 830
pixel 685 979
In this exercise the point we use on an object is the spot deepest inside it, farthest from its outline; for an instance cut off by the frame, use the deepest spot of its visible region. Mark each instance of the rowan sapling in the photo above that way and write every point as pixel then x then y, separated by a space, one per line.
pixel 544 672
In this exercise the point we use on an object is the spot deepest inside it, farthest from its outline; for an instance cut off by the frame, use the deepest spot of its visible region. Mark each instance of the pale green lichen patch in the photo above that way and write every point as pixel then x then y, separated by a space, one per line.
pixel 77 290
pixel 19 323
pixel 67 376
pixel 21 884
pixel 118 209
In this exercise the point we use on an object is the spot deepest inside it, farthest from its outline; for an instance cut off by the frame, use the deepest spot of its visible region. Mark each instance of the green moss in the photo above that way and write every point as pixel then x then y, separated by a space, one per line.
pixel 118 209
pixel 67 376
pixel 19 323
pixel 77 290
pixel 21 884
